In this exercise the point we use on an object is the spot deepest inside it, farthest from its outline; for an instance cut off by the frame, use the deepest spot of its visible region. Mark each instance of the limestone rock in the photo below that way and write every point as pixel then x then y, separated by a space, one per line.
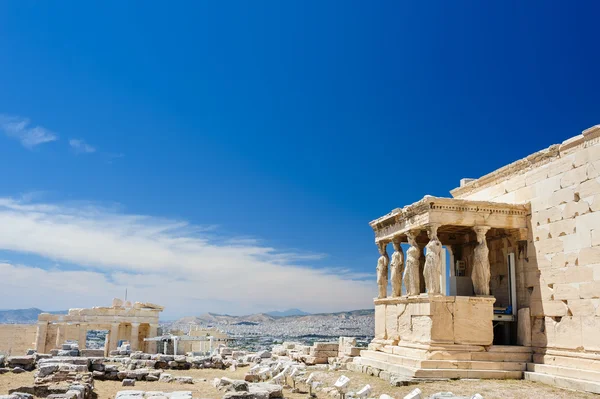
pixel 128 382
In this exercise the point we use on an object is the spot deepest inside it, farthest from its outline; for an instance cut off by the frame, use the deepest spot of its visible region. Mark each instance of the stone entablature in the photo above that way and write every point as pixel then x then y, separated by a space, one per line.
pixel 448 211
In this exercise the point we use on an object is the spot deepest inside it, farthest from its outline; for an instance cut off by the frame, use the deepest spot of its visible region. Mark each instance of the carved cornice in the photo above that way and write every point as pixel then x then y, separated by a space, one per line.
pixel 448 211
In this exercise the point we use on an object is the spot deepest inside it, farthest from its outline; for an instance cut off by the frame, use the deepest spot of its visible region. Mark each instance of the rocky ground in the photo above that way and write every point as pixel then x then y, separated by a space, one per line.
pixel 203 386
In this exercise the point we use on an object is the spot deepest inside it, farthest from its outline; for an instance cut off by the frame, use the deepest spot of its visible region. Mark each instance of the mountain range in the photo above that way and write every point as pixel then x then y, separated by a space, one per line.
pixel 23 316
pixel 28 316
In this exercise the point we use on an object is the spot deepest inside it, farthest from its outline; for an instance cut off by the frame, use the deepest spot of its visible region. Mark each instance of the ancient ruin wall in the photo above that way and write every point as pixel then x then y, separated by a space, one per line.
pixel 559 272
pixel 15 339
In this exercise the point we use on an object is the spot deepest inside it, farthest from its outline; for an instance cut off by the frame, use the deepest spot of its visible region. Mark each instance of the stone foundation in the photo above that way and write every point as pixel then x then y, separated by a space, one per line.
pixel 433 320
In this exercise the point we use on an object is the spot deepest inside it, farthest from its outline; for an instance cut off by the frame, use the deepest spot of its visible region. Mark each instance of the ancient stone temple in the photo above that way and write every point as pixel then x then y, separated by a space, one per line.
pixel 124 322
pixel 500 281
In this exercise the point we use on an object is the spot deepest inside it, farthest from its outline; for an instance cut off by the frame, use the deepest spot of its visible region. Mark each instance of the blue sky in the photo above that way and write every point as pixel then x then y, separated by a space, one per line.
pixel 228 156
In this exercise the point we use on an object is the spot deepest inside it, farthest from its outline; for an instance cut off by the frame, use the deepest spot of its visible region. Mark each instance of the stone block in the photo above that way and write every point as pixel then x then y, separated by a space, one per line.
pixel 589 188
pixel 575 208
pixel 581 307
pixel 536 175
pixel 391 322
pixel 573 177
pixel 514 183
pixel 442 330
pixel 589 256
pixel 562 227
pixel 554 308
pixel 561 197
pixel 567 332
pixel 326 346
pixel 590 330
pixel 473 321
pixel 549 246
pixel 595 236
pixel 380 319
pixel 525 194
pixel 566 291
pixel 589 290
pixel 127 382
pixel 421 329
pixel 578 274
pixel 561 165
pixel 538 332
pixel 524 327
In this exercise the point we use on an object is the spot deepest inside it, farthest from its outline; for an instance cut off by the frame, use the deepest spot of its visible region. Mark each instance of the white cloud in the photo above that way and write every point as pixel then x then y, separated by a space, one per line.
pixel 81 147
pixel 20 129
pixel 187 268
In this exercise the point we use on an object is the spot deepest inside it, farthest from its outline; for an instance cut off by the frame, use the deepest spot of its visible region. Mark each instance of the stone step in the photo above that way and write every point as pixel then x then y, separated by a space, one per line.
pixel 470 364
pixel 469 373
pixel 522 357
pixel 505 357
pixel 568 372
pixel 509 348
pixel 563 382
pixel 400 370
pixel 415 368
pixel 567 361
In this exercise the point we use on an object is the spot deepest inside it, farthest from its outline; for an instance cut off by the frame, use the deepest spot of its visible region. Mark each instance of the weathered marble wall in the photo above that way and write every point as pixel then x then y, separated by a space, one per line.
pixel 15 339
pixel 558 274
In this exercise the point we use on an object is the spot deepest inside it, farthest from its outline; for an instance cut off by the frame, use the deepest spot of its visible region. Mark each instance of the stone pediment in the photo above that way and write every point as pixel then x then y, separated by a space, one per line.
pixel 451 214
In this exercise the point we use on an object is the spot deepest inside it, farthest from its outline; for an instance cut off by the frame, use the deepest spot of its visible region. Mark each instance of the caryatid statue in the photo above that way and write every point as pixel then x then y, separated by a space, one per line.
pixel 433 261
pixel 481 263
pixel 412 276
pixel 397 268
pixel 382 270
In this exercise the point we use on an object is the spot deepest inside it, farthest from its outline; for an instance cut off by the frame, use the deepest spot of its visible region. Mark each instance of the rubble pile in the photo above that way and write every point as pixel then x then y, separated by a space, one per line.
pixel 239 389
pixel 340 352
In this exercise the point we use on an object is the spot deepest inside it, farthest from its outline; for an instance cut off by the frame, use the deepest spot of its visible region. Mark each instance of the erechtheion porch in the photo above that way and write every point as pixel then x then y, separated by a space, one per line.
pixel 426 327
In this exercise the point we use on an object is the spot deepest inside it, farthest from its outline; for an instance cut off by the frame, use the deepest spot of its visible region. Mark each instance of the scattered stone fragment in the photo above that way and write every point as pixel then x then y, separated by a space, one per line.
pixel 128 382
pixel 238 385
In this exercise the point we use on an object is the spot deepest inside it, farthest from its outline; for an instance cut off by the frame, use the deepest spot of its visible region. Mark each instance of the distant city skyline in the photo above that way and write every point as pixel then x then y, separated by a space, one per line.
pixel 228 158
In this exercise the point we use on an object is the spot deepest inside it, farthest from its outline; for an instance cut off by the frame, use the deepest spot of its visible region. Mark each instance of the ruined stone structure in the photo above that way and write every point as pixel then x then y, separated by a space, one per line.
pixel 523 245
pixel 126 322
pixel 15 339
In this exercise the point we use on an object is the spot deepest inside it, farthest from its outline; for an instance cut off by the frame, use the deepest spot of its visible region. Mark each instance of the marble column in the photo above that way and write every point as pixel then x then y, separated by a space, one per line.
pixel 114 337
pixel 82 336
pixel 151 345
pixel 382 270
pixel 422 286
pixel 60 335
pixel 40 338
pixel 135 336
pixel 397 268
pixel 432 268
pixel 412 275
pixel 481 274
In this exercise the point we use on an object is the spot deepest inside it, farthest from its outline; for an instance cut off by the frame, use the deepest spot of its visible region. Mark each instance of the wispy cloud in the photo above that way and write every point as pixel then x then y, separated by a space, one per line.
pixel 163 261
pixel 21 129
pixel 111 156
pixel 81 147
